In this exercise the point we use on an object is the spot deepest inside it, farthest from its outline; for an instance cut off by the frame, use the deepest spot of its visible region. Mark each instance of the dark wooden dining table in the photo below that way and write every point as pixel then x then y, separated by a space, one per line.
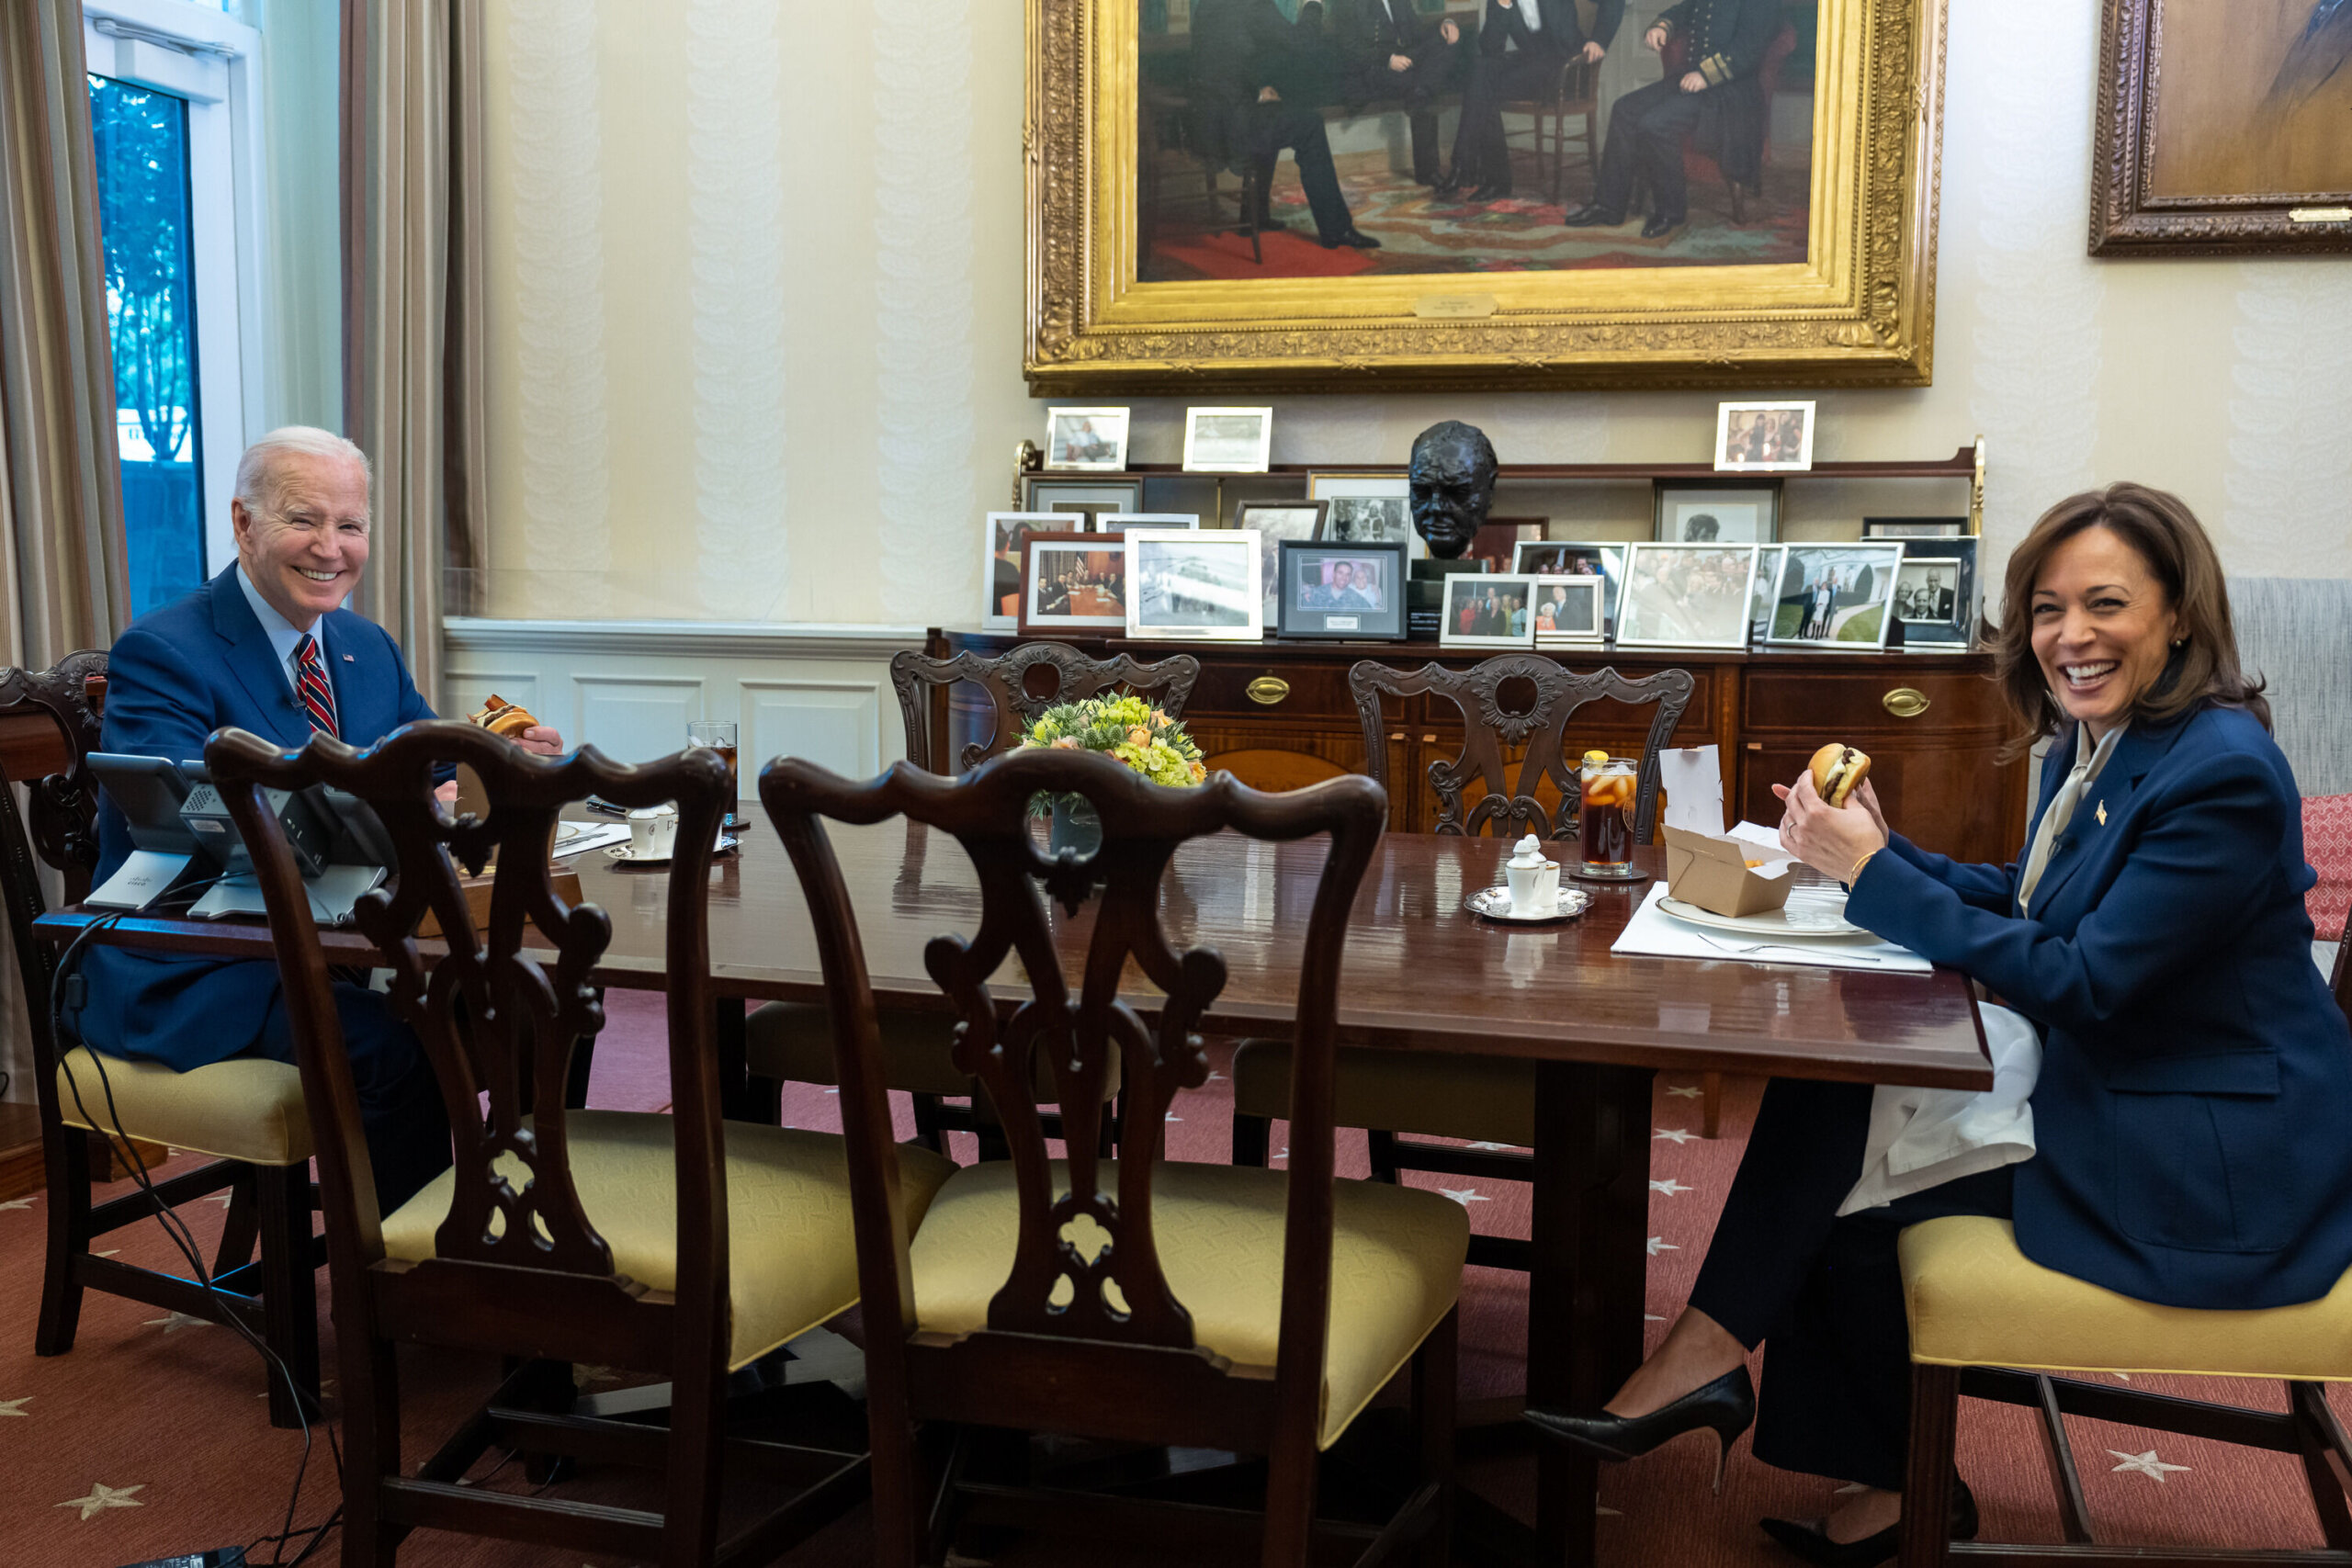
pixel 1421 973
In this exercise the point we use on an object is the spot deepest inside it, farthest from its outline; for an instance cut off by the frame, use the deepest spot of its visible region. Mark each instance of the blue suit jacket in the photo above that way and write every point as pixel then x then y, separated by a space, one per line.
pixel 174 677
pixel 2196 1074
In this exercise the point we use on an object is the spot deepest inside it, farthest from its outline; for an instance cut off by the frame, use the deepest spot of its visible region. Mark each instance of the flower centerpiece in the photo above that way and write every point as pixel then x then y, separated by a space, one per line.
pixel 1126 727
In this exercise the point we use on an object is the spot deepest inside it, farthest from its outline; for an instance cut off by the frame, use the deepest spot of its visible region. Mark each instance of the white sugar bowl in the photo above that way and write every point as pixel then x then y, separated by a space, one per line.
pixel 1534 879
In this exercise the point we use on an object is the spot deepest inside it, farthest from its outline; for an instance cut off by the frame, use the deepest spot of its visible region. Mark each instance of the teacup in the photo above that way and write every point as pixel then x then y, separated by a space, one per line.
pixel 652 832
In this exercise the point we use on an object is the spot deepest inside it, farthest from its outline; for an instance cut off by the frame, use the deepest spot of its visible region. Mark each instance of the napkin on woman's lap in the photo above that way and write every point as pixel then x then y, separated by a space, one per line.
pixel 1924 1137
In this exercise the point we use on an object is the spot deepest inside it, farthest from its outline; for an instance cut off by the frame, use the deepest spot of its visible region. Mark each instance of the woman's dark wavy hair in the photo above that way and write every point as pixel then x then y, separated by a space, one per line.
pixel 2203 670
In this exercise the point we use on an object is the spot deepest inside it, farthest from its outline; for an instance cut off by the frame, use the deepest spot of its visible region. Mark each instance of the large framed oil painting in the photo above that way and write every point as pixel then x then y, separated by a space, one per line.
pixel 2225 127
pixel 1258 194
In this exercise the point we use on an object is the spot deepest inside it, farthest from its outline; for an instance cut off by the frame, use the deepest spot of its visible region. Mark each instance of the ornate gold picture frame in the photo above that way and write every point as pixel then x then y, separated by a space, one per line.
pixel 1851 304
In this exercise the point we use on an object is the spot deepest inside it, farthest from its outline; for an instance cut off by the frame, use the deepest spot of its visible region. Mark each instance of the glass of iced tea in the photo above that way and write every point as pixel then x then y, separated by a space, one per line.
pixel 1605 816
pixel 719 734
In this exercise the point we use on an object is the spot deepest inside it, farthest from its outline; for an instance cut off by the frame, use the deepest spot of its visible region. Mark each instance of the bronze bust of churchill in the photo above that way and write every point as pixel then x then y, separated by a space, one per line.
pixel 1453 477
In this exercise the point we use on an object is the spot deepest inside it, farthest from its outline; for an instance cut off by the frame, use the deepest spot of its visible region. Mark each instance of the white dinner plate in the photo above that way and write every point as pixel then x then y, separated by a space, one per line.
pixel 1814 912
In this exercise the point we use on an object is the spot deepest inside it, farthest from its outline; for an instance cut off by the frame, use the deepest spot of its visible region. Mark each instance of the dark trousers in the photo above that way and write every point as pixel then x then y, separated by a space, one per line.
pixel 400 1104
pixel 1431 74
pixel 1270 127
pixel 1824 1293
pixel 1647 130
pixel 1480 152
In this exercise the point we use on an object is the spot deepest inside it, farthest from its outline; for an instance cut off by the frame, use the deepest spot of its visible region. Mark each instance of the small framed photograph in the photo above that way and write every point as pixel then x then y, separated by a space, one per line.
pixel 1194 585
pixel 1227 441
pixel 1836 596
pixel 1763 438
pixel 1119 521
pixel 1003 555
pixel 1914 527
pixel 1711 511
pixel 1567 611
pixel 1686 596
pixel 1273 522
pixel 1074 582
pixel 1485 611
pixel 1086 439
pixel 1936 593
pixel 1341 591
pixel 1768 578
pixel 1557 557
pixel 1368 509
pixel 1499 539
pixel 1080 501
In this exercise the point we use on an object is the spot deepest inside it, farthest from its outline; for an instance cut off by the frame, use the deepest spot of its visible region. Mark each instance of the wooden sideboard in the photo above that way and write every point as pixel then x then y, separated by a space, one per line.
pixel 1278 715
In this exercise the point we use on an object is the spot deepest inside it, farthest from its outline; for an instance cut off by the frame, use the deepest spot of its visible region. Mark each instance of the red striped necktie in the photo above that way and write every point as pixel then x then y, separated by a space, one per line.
pixel 311 685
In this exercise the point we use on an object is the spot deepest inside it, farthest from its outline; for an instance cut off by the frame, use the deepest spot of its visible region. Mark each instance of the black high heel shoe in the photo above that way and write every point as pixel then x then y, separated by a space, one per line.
pixel 1810 1539
pixel 1726 1408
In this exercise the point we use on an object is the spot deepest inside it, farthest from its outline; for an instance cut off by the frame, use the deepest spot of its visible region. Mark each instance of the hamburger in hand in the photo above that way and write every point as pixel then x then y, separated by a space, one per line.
pixel 501 717
pixel 1837 772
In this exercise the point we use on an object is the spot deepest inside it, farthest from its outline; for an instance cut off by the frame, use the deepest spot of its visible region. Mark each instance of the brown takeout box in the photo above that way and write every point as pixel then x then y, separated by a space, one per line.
pixel 1712 872
pixel 566 882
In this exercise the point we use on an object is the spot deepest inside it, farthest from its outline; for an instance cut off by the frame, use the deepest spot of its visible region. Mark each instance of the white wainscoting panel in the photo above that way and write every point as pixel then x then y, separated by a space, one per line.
pixel 631 687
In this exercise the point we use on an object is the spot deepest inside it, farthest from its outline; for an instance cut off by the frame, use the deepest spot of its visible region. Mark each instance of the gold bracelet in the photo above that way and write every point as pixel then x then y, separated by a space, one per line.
pixel 1856 875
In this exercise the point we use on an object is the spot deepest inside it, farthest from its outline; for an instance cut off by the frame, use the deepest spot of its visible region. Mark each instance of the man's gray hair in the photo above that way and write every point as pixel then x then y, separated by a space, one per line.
pixel 257 470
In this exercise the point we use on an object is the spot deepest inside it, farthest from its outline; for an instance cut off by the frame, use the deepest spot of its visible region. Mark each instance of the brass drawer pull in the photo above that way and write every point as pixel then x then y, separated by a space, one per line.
pixel 1905 702
pixel 1269 689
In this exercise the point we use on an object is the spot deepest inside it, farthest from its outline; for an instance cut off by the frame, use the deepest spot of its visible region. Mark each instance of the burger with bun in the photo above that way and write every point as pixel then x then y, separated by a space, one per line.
pixel 1837 772
pixel 502 717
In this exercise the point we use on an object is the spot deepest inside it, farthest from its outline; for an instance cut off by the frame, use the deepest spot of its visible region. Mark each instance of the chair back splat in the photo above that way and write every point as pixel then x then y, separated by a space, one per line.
pixel 1510 804
pixel 1085 1335
pixel 1011 680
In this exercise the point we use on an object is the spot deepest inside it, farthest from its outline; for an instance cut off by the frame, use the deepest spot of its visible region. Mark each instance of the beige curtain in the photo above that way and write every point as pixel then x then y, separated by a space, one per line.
pixel 60 486
pixel 412 289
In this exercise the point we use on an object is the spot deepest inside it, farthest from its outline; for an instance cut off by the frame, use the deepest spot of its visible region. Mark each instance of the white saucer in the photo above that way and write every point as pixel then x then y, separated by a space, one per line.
pixel 628 856
pixel 1494 904
pixel 1811 912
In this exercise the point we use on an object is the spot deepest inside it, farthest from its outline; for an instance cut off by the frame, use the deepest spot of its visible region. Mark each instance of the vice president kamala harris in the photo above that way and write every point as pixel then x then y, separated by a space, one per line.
pixel 2194 1071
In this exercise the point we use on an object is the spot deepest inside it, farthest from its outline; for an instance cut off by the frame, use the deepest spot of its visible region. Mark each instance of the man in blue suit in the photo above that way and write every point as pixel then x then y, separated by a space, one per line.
pixel 268 647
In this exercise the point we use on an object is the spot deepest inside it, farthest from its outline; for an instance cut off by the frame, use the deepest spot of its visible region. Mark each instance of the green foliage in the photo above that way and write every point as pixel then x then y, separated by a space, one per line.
pixel 1864 626
pixel 141 139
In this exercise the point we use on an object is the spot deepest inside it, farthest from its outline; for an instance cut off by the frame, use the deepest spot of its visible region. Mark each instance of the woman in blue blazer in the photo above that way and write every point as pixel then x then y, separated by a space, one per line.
pixel 2195 1068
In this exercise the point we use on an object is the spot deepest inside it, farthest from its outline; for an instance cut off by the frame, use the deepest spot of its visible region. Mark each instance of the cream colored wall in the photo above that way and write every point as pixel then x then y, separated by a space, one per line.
pixel 757 306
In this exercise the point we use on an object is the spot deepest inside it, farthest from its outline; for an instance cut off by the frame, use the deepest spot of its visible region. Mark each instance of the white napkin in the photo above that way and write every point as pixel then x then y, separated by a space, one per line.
pixel 1693 777
pixel 593 836
pixel 1924 1137
pixel 1654 933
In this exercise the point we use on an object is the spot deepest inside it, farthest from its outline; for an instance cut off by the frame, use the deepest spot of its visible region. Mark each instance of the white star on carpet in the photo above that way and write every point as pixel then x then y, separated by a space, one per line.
pixel 1606 1513
pixel 1216 1077
pixel 104 1496
pixel 15 1406
pixel 177 1321
pixel 1672 1134
pixel 1492 1148
pixel 220 1198
pixel 16 1204
pixel 1652 1317
pixel 1465 1196
pixel 2146 1464
pixel 1659 1244
pixel 1171 1116
pixel 1683 1093
pixel 1670 1187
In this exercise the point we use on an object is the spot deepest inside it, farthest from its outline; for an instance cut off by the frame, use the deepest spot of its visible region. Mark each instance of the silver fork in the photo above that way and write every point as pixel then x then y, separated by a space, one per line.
pixel 1784 947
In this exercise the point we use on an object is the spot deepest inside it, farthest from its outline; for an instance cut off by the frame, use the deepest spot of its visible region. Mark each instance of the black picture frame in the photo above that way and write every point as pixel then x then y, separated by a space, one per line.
pixel 1296 620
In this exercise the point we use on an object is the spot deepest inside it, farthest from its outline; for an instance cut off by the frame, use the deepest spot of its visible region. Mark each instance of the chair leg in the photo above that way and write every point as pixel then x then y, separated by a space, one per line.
pixel 690 1504
pixel 1383 1147
pixel 1711 1103
pixel 1739 203
pixel 289 1299
pixel 1927 1489
pixel 1435 1374
pixel 2325 1457
pixel 67 1156
pixel 241 1230
pixel 1252 1139
pixel 927 1132
pixel 371 1451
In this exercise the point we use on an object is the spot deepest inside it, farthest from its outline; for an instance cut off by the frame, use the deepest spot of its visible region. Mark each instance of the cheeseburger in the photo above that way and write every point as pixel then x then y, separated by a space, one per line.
pixel 502 717
pixel 1837 772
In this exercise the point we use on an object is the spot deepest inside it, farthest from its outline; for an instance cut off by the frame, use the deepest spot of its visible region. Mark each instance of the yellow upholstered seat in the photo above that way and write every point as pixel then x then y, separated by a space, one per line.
pixel 1396 1257
pixel 1975 1300
pixel 792 1259
pixel 1489 1099
pixel 246 1109
pixel 793 1043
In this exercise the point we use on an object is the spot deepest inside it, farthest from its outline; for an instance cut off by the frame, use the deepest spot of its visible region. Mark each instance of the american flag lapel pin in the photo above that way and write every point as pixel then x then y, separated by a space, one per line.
pixel 2101 813
pixel 347 659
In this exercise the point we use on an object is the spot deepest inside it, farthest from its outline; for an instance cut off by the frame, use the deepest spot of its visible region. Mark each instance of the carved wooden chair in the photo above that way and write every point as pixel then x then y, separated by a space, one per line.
pixel 1989 1322
pixel 247 1114
pixel 1136 1299
pixel 1482 1100
pixel 675 1245
pixel 1572 97
pixel 789 1041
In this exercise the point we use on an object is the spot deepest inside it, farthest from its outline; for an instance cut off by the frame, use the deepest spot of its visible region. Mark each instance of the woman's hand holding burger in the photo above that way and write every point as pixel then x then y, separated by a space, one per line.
pixel 1833 840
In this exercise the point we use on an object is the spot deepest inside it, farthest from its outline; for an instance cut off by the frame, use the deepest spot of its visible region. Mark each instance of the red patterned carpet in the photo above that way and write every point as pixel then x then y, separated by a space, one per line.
pixel 1420 232
pixel 150 1437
